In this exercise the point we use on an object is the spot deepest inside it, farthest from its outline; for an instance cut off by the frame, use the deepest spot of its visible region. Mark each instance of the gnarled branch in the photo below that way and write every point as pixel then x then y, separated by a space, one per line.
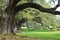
pixel 36 6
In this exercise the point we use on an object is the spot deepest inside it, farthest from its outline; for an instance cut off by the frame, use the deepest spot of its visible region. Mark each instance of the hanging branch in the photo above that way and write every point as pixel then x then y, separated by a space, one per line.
pixel 36 6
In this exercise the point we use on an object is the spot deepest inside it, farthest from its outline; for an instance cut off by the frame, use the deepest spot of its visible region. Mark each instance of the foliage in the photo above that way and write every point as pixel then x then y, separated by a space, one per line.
pixel 2 4
pixel 36 17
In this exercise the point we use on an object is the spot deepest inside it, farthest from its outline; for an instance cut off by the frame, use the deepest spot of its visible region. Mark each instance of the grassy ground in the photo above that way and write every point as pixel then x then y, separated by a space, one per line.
pixel 32 35
pixel 41 35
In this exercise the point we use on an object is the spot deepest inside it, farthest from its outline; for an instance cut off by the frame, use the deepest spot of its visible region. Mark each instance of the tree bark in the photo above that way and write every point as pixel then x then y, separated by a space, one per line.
pixel 9 25
pixel 8 22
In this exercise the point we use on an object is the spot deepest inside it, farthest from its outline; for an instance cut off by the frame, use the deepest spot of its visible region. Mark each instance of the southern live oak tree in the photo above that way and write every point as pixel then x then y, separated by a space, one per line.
pixel 12 8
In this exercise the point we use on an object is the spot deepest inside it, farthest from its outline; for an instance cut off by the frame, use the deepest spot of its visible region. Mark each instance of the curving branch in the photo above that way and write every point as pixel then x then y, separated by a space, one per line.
pixel 36 6
pixel 15 2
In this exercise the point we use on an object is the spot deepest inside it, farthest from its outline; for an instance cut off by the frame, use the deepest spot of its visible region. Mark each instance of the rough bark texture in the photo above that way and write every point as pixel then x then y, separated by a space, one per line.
pixel 8 25
pixel 9 22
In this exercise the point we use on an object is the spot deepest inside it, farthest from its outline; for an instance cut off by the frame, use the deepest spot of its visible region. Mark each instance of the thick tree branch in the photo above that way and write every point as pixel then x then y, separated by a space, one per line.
pixel 15 2
pixel 55 7
pixel 36 6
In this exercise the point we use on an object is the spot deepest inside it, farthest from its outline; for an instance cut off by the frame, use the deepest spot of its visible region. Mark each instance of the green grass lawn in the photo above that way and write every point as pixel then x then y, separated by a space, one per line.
pixel 49 35
pixel 32 35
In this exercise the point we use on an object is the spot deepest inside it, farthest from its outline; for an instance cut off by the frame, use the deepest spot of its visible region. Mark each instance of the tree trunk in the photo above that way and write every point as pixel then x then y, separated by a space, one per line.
pixel 8 22
pixel 8 15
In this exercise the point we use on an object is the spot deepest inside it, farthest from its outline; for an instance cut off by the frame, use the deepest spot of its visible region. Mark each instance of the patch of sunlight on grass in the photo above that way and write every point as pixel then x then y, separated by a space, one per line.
pixel 55 34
